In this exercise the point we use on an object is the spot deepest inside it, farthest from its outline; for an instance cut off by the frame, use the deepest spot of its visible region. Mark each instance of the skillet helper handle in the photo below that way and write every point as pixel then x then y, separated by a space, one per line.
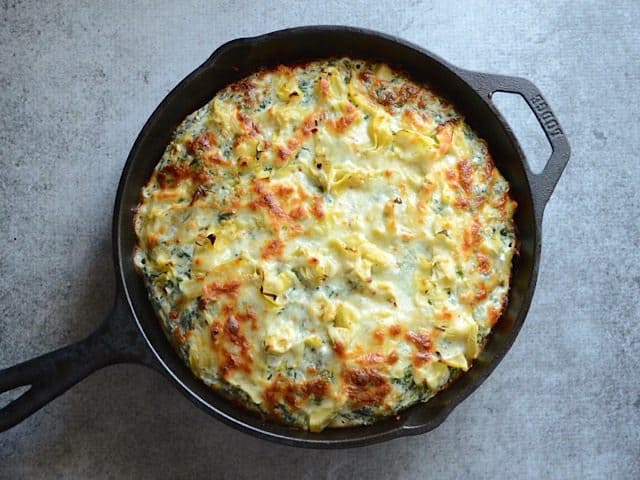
pixel 543 183
pixel 116 341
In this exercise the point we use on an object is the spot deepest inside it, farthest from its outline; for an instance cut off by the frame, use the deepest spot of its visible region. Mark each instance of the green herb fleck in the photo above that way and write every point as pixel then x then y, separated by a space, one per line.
pixel 222 217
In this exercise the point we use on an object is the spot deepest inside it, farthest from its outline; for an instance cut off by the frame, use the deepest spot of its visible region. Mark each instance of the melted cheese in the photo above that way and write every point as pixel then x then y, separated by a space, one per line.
pixel 327 243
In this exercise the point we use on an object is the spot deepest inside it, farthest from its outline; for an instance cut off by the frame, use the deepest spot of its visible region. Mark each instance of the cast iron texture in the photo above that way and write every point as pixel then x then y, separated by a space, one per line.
pixel 131 333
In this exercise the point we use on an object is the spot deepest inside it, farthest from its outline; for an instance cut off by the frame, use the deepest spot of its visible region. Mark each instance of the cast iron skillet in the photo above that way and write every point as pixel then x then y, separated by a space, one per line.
pixel 131 333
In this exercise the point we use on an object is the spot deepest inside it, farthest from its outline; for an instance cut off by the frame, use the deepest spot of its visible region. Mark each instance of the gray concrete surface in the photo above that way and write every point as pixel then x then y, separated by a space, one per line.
pixel 77 82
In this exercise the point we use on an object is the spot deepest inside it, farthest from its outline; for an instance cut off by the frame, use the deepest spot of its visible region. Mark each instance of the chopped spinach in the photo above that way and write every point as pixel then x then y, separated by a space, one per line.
pixel 222 217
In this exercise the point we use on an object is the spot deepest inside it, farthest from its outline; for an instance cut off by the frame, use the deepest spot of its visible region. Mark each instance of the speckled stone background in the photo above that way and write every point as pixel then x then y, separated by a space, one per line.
pixel 78 80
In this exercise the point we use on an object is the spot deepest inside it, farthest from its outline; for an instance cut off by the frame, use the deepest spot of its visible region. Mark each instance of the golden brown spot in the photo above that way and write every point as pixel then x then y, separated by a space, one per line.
pixel 229 334
pixel 285 70
pixel 295 229
pixel 248 316
pixel 462 203
pixel 178 337
pixel 173 174
pixel 283 153
pixel 343 122
pixel 229 363
pixel 424 197
pixel 484 264
pixel 421 340
pixel 444 135
pixel 235 336
pixel 244 87
pixel 365 76
pixel 216 289
pixel 339 348
pixel 465 173
pixel 365 386
pixel 420 358
pixel 302 193
pixel 408 91
pixel 298 213
pixel 214 158
pixel 481 294
pixel 167 194
pixel 488 167
pixel 232 327
pixel 392 357
pixel 215 330
pixel 493 314
pixel 378 335
pixel 324 87
pixel 471 237
pixel 248 125
pixel 310 125
pixel 293 144
pixel 152 241
pixel 317 388
pixel 201 143
pixel 444 314
pixel 346 120
pixel 283 191
pixel 267 199
pixel 503 202
pixel 318 208
pixel 370 359
pixel 203 303
pixel 284 390
pixel 273 248
pixel 389 96
pixel 394 330
pixel 281 389
pixel 419 118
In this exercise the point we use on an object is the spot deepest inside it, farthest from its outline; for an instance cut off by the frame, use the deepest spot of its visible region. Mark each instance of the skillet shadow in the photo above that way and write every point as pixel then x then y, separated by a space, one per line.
pixel 126 421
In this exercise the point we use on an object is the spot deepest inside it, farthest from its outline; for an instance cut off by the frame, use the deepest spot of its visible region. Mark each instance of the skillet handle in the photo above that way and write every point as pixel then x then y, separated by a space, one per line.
pixel 543 183
pixel 117 340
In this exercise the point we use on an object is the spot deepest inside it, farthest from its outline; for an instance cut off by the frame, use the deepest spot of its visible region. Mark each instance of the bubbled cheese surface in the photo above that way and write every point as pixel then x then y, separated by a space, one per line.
pixel 326 243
